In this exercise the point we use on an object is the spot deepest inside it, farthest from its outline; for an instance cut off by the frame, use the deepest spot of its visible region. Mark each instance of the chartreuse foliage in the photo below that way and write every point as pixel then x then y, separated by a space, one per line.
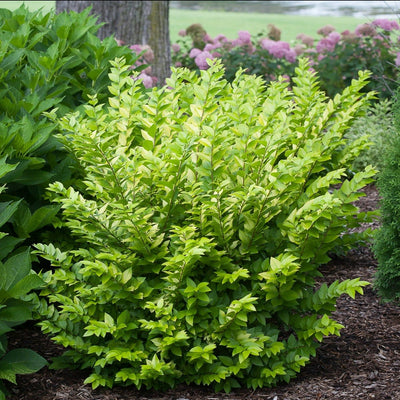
pixel 16 280
pixel 207 209
pixel 387 239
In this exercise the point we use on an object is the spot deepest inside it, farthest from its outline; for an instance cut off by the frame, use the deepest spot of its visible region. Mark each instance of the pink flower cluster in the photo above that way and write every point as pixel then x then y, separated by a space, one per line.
pixel 328 43
pixel 305 39
pixel 147 58
pixel 244 40
pixel 369 29
pixel 279 49
pixel 386 25
pixel 148 55
pixel 326 30
pixel 365 30
pixel 175 47
pixel 332 38
pixel 212 46
pixel 200 57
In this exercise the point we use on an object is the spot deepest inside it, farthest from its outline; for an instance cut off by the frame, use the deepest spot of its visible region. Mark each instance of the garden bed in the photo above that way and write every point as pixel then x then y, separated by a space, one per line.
pixel 364 362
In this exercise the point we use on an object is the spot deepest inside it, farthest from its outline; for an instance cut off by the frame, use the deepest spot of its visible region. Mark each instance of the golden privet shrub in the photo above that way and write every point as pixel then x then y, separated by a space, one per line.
pixel 206 210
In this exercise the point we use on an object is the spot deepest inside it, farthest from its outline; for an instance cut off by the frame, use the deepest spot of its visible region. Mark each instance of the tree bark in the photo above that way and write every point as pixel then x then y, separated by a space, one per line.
pixel 133 22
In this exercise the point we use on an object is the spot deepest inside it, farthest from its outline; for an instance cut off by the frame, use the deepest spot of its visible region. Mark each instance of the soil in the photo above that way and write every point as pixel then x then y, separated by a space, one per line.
pixel 363 363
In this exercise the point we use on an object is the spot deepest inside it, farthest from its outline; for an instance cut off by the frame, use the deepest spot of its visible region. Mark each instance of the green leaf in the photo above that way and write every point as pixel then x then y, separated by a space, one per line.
pixel 10 61
pixel 41 217
pixel 4 328
pixel 25 285
pixel 7 244
pixel 20 361
pixel 4 167
pixel 7 209
pixel 19 313
pixel 14 269
pixel 32 178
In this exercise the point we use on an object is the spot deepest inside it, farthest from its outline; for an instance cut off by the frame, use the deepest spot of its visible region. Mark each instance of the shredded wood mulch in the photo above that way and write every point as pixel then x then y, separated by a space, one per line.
pixel 363 363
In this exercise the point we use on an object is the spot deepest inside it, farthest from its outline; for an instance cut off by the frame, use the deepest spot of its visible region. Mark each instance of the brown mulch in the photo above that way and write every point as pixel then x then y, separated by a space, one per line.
pixel 363 363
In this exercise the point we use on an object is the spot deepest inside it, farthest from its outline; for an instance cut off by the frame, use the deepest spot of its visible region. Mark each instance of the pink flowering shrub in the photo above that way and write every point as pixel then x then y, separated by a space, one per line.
pixel 328 43
pixel 336 57
pixel 265 57
pixel 279 49
pixel 386 25
pixel 326 30
pixel 373 46
pixel 201 59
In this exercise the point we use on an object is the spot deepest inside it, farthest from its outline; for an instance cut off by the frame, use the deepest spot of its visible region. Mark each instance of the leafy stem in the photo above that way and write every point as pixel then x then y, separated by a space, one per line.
pixel 121 195
pixel 174 191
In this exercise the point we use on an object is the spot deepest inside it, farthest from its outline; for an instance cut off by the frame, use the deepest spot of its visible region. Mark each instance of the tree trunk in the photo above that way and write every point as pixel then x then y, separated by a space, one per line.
pixel 133 22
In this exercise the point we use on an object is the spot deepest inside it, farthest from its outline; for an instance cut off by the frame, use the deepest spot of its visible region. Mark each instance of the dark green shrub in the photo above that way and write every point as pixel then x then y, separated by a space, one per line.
pixel 387 239
pixel 16 280
pixel 46 61
pixel 207 209
pixel 53 59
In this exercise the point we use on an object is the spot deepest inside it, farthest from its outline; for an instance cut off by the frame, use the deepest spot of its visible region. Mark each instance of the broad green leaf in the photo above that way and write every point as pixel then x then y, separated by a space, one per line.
pixel 14 269
pixel 25 285
pixel 7 209
pixel 41 217
pixel 20 361
pixel 19 313
pixel 5 167
pixel 4 328
pixel 7 244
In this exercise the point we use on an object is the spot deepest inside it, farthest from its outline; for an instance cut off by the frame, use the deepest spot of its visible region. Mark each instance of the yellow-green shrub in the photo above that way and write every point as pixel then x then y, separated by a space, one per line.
pixel 207 210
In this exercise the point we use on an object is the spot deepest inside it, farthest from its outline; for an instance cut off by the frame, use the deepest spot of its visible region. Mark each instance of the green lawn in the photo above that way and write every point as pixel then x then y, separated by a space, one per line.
pixel 229 23
pixel 33 5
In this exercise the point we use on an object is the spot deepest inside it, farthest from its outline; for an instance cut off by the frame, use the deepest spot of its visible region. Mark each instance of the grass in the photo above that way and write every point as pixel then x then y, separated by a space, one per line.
pixel 229 23
pixel 33 5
